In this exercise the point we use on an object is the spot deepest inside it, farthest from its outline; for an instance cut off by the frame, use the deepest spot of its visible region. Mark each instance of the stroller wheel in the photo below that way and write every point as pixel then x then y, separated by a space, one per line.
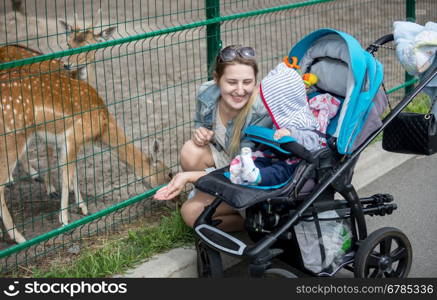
pixel 209 261
pixel 278 273
pixel 386 252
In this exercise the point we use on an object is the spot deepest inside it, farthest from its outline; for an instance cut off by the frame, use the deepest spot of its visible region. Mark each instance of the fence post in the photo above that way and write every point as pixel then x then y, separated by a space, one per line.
pixel 410 16
pixel 213 41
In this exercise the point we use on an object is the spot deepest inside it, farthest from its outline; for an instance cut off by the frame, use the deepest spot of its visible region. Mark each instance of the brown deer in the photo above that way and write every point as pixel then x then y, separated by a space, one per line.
pixel 80 66
pixel 15 52
pixel 59 108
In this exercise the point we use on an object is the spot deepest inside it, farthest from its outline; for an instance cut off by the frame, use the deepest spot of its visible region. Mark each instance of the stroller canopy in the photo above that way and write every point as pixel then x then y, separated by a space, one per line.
pixel 352 74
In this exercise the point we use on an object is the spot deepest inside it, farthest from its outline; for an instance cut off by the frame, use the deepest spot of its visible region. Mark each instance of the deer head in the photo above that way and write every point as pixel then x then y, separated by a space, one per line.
pixel 157 165
pixel 78 37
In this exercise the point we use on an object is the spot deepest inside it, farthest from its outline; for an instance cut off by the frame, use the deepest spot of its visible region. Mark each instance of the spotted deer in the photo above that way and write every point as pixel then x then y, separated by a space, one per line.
pixel 79 66
pixel 15 52
pixel 69 112
pixel 82 64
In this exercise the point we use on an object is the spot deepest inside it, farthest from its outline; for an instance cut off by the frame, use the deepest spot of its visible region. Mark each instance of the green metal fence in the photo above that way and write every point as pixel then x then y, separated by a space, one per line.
pixel 146 72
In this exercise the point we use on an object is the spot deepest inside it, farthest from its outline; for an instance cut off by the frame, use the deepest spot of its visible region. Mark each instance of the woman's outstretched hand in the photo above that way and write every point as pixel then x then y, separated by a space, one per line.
pixel 202 136
pixel 177 184
pixel 173 188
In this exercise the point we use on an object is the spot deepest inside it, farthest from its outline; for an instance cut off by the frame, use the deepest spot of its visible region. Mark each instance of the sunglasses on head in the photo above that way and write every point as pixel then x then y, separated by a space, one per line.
pixel 230 53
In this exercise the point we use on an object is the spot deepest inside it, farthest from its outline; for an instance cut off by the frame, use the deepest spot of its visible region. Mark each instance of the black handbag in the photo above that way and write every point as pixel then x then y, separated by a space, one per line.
pixel 411 133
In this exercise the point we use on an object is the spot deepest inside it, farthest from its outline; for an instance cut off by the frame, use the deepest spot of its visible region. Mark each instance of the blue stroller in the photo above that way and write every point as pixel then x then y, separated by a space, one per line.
pixel 299 223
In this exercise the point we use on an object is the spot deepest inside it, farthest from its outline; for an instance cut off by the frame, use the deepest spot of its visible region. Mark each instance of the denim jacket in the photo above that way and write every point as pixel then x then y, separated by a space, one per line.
pixel 206 111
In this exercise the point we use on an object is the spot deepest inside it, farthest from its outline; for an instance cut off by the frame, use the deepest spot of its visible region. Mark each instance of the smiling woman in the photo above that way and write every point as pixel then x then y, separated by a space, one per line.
pixel 225 107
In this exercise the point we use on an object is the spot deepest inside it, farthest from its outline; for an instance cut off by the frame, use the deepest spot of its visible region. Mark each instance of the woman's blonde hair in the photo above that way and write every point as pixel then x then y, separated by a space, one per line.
pixel 240 119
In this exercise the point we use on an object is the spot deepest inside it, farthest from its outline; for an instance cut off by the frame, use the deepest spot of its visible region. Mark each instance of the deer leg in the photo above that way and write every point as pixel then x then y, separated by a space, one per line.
pixel 66 173
pixel 29 169
pixel 48 181
pixel 9 171
pixel 10 180
pixel 26 164
pixel 12 231
pixel 50 188
pixel 69 178
pixel 8 160
pixel 24 161
pixel 78 195
pixel 77 140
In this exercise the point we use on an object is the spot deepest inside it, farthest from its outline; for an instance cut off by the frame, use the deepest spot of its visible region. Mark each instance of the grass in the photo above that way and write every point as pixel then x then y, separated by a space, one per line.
pixel 121 252
pixel 421 104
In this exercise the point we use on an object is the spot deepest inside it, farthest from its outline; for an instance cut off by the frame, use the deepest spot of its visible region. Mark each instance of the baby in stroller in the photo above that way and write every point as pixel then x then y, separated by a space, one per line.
pixel 299 221
pixel 284 95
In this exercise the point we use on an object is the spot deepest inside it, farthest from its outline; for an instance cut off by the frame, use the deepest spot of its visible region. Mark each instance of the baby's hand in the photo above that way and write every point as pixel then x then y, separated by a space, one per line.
pixel 281 132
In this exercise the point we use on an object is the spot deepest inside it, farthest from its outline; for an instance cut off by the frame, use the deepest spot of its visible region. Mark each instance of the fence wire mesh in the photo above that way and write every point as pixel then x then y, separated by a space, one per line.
pixel 145 59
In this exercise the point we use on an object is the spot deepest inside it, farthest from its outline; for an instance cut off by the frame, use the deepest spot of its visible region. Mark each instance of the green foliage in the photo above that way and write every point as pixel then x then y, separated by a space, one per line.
pixel 421 104
pixel 120 255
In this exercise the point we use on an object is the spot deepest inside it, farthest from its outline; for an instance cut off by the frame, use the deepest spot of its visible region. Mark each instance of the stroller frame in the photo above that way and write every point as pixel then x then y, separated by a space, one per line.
pixel 211 240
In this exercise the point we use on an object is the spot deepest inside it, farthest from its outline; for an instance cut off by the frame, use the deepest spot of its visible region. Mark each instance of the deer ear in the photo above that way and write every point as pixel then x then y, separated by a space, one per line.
pixel 107 33
pixel 155 151
pixel 155 147
pixel 67 27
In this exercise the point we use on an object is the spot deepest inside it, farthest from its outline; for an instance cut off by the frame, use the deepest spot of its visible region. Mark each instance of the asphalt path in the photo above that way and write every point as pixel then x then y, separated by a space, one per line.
pixel 413 185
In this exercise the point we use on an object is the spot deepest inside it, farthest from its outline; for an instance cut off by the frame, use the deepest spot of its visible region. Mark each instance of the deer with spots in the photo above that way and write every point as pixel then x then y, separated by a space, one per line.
pixel 66 111
pixel 81 65
pixel 15 52
pixel 78 66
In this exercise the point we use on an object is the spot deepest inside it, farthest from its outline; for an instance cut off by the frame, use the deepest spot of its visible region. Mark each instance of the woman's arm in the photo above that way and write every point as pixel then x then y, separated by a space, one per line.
pixel 177 184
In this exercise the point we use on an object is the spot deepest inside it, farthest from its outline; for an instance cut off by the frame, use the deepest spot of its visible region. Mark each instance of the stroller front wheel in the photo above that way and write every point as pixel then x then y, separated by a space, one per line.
pixel 209 261
pixel 386 252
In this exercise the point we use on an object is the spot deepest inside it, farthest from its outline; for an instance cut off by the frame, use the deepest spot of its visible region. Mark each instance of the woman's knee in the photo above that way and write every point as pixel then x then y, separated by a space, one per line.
pixel 190 211
pixel 195 158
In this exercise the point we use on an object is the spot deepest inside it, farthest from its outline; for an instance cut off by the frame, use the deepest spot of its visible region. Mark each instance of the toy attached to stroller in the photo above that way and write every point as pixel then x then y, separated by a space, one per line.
pixel 299 222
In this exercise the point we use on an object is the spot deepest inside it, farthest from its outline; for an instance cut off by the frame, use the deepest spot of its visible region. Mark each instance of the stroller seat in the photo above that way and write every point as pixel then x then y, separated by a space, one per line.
pixel 240 196
pixel 328 52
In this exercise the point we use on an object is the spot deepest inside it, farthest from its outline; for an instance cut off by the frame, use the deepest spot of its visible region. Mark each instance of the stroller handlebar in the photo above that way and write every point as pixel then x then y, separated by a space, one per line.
pixel 379 42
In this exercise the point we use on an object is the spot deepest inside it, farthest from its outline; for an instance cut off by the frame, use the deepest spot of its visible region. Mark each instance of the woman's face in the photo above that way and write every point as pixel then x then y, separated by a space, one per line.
pixel 236 85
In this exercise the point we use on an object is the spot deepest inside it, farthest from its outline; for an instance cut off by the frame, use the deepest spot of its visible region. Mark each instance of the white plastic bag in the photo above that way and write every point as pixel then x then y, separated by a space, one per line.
pixel 416 48
pixel 416 45
pixel 336 238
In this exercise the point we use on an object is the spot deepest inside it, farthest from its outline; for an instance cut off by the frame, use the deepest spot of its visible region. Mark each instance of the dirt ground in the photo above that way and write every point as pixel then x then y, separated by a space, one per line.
pixel 150 84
